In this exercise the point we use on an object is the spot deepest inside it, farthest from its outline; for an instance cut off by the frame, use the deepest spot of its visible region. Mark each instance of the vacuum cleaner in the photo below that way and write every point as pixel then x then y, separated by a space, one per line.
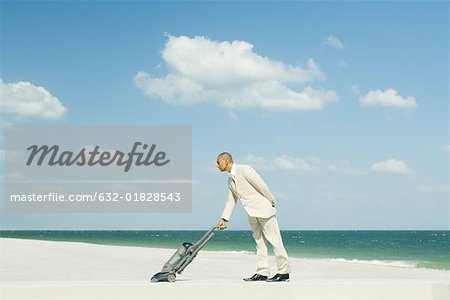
pixel 182 258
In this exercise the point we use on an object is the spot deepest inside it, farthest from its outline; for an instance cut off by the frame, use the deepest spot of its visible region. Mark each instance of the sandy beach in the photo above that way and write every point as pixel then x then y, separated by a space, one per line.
pixel 32 269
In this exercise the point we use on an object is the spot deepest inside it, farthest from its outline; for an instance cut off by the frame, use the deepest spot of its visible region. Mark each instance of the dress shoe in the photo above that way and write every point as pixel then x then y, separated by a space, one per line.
pixel 279 277
pixel 256 277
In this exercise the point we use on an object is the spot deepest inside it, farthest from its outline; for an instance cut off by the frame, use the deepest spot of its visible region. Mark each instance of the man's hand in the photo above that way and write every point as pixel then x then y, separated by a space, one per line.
pixel 222 224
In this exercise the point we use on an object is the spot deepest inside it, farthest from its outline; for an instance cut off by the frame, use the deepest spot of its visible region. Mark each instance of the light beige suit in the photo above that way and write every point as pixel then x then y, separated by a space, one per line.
pixel 259 203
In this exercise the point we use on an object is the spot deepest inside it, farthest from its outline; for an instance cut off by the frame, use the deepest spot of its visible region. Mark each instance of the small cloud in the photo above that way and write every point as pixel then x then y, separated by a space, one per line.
pixel 391 166
pixel 333 41
pixel 232 75
pixel 343 63
pixel 282 162
pixel 446 148
pixel 300 165
pixel 26 100
pixel 319 164
pixel 355 89
pixel 232 115
pixel 289 163
pixel 387 98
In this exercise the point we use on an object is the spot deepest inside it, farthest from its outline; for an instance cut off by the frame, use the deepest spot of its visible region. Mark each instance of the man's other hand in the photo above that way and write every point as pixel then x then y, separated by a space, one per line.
pixel 222 224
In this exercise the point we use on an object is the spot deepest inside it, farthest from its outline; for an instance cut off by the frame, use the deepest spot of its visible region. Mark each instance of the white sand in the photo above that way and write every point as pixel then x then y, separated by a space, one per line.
pixel 31 269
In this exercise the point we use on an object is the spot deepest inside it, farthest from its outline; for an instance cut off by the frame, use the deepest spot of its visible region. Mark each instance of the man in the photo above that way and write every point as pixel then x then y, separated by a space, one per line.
pixel 246 185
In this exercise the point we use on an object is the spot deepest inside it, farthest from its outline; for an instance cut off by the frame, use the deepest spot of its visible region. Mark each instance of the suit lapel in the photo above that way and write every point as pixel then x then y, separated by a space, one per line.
pixel 232 185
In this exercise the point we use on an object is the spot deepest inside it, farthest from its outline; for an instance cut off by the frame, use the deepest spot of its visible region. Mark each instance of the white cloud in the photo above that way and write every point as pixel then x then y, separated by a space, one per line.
pixel 388 98
pixel 391 166
pixel 231 74
pixel 300 165
pixel 282 162
pixel 446 148
pixel 333 41
pixel 289 163
pixel 27 100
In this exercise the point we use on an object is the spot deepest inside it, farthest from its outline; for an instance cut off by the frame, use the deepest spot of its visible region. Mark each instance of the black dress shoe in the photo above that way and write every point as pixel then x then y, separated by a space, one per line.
pixel 256 277
pixel 279 277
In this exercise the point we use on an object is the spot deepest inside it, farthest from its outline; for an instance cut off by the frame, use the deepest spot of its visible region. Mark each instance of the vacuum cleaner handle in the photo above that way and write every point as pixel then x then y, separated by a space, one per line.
pixel 204 240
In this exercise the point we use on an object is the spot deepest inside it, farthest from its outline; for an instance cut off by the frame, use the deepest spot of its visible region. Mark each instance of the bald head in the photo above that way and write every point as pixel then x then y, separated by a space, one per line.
pixel 225 156
pixel 224 161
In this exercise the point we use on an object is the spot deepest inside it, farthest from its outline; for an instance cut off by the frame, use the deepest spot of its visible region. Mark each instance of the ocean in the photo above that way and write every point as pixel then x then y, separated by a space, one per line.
pixel 409 249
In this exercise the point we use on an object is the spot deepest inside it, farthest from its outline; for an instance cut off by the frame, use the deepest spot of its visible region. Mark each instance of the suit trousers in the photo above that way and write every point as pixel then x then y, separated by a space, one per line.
pixel 267 230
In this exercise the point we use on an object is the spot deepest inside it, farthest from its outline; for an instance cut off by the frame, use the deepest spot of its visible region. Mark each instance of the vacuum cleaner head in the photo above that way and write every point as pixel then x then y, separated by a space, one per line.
pixel 182 258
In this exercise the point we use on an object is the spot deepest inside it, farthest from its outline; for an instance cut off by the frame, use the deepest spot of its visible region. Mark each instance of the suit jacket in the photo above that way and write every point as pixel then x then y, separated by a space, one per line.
pixel 254 194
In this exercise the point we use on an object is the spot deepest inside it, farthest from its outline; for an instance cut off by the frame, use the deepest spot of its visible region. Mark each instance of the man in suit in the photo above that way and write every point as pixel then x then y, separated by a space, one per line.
pixel 246 185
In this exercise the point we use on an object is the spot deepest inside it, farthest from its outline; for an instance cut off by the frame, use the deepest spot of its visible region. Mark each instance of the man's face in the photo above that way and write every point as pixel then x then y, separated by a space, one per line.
pixel 221 163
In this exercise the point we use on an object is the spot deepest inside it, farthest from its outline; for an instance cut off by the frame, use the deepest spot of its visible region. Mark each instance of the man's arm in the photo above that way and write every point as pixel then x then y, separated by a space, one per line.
pixel 258 183
pixel 227 211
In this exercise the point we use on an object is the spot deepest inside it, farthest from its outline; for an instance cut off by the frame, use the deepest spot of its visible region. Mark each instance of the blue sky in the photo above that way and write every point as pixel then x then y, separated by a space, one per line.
pixel 343 107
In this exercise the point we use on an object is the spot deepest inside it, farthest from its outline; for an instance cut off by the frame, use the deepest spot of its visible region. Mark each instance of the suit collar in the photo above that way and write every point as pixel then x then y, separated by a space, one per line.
pixel 232 173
